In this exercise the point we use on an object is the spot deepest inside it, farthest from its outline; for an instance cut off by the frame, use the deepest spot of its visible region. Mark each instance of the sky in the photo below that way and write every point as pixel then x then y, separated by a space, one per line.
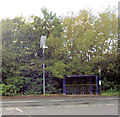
pixel 26 8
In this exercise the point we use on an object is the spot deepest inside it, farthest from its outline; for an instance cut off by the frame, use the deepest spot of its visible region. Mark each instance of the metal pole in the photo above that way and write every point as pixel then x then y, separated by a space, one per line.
pixel 100 80
pixel 43 72
pixel 64 86
pixel 100 84
pixel 91 85
pixel 96 85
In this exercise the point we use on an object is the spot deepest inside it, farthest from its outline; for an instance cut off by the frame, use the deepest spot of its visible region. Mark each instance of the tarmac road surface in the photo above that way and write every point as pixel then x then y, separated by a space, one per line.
pixel 73 105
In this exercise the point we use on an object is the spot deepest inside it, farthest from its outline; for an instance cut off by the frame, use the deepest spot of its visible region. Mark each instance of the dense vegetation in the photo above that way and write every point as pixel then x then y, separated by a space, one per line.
pixel 77 44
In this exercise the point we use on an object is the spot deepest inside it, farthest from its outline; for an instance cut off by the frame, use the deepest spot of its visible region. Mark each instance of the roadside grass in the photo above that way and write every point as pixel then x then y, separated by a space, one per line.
pixel 54 95
pixel 32 95
pixel 110 93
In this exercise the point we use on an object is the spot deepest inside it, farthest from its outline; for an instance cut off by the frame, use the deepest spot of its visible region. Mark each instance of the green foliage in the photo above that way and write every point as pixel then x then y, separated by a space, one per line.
pixel 78 44
pixel 8 90
pixel 33 86
pixel 110 93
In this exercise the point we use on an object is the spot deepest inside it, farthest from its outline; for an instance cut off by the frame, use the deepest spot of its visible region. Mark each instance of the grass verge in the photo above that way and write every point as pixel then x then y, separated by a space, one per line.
pixel 110 93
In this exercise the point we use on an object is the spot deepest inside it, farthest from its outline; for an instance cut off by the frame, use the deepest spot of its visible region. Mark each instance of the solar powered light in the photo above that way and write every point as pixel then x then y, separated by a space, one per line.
pixel 42 45
pixel 43 42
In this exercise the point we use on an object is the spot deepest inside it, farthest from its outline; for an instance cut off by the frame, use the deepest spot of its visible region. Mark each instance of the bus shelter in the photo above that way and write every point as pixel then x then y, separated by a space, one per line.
pixel 80 84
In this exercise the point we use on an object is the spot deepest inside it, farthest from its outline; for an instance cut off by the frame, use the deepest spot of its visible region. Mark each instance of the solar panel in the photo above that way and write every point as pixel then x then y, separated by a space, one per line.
pixel 42 41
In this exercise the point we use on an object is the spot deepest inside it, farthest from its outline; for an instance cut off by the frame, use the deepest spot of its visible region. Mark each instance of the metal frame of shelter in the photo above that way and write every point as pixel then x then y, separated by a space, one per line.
pixel 65 85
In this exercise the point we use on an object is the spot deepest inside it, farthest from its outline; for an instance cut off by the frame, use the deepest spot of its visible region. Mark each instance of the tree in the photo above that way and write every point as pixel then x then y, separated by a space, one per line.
pixel 22 56
pixel 78 44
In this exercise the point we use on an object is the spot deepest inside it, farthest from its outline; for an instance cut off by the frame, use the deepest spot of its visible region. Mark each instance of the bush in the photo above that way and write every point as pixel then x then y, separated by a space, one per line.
pixel 8 90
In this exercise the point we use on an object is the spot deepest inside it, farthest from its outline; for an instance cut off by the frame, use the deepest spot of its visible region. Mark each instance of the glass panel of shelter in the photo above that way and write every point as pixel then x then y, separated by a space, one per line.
pixel 81 85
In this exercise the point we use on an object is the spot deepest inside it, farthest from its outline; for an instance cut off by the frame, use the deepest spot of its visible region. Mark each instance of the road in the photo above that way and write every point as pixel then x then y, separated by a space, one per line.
pixel 74 105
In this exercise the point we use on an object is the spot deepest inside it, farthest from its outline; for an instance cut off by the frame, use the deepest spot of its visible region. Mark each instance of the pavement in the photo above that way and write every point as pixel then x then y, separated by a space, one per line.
pixel 60 105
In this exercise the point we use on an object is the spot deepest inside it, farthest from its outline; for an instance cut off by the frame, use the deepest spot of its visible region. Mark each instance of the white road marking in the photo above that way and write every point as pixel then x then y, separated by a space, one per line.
pixel 19 109
pixel 111 98
pixel 109 104
pixel 69 106
pixel 10 108
pixel 59 106
pixel 83 105
pixel 14 109
pixel 41 107
pixel 57 100
pixel 16 101
pixel 21 101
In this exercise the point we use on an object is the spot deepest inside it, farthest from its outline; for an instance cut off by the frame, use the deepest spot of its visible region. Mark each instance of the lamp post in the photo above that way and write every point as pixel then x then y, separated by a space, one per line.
pixel 42 45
